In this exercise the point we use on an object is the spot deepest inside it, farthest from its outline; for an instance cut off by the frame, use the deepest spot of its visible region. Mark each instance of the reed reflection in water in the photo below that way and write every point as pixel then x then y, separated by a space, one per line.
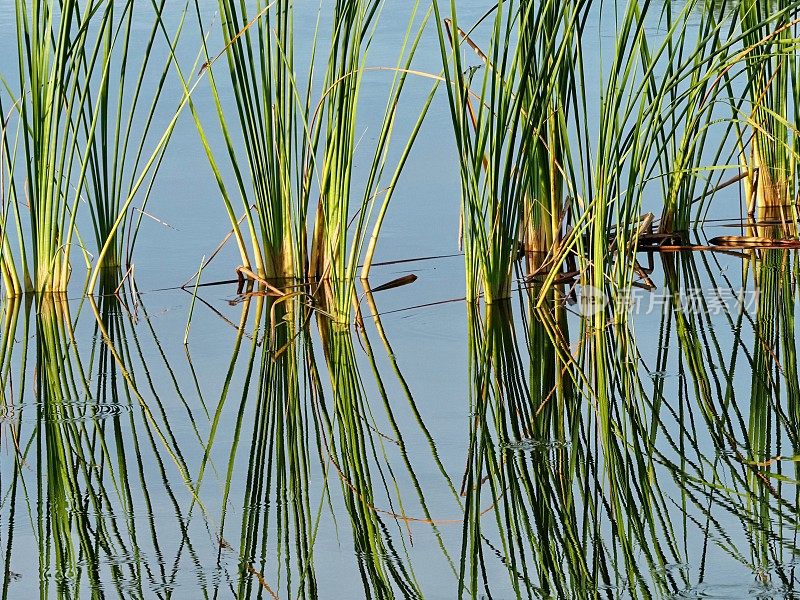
pixel 599 463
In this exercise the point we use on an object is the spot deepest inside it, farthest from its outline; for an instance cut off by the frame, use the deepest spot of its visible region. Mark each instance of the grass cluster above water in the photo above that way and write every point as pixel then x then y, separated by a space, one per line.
pixel 78 133
pixel 579 160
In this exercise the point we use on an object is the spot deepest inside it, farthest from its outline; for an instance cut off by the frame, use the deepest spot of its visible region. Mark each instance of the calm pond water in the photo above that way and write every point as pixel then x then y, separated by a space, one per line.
pixel 430 450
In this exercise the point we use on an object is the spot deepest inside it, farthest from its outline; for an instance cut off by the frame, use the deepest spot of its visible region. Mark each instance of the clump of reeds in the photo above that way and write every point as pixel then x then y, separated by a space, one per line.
pixel 273 118
pixel 510 130
pixel 79 131
pixel 53 63
pixel 540 173
pixel 299 143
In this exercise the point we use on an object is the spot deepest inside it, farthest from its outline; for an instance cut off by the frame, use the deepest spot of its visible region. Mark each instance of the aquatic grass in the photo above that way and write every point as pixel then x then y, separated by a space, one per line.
pixel 641 107
pixel 260 54
pixel 48 72
pixel 536 176
pixel 535 172
pixel 691 97
pixel 569 452
pixel 299 143
pixel 771 77
pixel 84 136
pixel 738 105
pixel 511 140
pixel 11 278
pixel 659 101
pixel 335 250
pixel 119 145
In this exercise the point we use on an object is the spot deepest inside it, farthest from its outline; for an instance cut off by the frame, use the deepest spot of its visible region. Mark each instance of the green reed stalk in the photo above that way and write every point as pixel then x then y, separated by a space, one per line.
pixel 351 37
pixel 52 43
pixel 344 211
pixel 117 151
pixel 272 118
pixel 691 101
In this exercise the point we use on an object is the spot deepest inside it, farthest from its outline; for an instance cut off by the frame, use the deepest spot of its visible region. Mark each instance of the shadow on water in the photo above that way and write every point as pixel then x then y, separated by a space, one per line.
pixel 309 468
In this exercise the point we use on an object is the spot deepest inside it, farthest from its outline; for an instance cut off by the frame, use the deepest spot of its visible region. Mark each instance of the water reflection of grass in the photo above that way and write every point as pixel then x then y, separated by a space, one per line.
pixel 599 496
pixel 750 426
pixel 303 424
pixel 96 465
pixel 572 505
pixel 569 489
